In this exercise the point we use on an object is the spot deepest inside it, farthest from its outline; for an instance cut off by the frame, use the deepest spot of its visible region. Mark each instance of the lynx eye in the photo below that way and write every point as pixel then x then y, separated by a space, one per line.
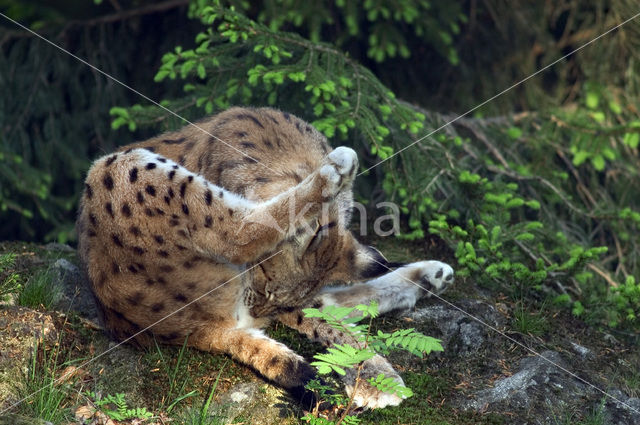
pixel 321 232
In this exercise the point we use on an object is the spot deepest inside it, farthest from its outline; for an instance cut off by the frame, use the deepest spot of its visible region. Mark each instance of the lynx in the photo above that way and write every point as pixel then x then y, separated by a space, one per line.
pixel 210 237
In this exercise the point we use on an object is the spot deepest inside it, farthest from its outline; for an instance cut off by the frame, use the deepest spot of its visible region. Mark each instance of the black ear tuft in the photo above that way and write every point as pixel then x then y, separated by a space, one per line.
pixel 374 264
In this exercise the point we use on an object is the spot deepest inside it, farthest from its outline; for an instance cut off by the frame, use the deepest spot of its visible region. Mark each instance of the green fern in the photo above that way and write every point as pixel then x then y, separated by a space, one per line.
pixel 390 386
pixel 406 339
pixel 122 412
pixel 339 357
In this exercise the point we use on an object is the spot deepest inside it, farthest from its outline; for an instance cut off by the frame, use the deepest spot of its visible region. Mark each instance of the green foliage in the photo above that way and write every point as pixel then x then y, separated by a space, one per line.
pixel 245 62
pixel 381 26
pixel 10 281
pixel 39 292
pixel 116 407
pixel 177 378
pixel 48 395
pixel 343 356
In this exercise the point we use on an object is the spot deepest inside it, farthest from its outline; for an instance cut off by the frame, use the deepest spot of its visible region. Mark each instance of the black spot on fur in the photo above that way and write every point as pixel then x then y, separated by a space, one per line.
pixel 180 247
pixel 166 268
pixel 187 265
pixel 150 148
pixel 190 178
pixel 189 146
pixel 138 250
pixel 150 282
pixel 208 221
pixel 299 127
pixel 248 145
pixel 136 298
pixel 172 174
pixel 249 117
pixel 180 298
pixel 93 219
pixel 267 143
pixel 163 253
pixel 128 151
pixel 208 197
pixel 115 268
pixel 157 307
pixel 162 280
pixel 439 274
pixel 171 193
pixel 299 319
pixel 286 116
pixel 174 222
pixel 262 180
pixel 230 211
pixel 240 134
pixel 110 160
pixel 315 334
pixel 107 180
pixel 151 166
pixel 249 160
pixel 140 197
pixel 161 159
pixel 150 190
pixel 185 209
pixel 173 142
pixel 88 190
pixel 183 189
pixel 132 269
pixel 133 175
pixel 167 200
pixel 149 212
pixel 116 240
pixel 221 194
pixel 109 209
pixel 126 210
pixel 183 233
pixel 92 233
pixel 159 239
pixel 135 230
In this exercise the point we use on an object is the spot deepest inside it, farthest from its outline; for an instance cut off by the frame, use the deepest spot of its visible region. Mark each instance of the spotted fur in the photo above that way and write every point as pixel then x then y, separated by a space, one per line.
pixel 189 235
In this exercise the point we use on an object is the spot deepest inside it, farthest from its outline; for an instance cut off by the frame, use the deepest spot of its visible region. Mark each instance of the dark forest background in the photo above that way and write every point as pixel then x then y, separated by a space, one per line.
pixel 536 190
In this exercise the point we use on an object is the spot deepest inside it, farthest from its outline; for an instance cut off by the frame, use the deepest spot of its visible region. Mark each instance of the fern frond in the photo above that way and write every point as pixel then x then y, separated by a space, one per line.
pixel 340 357
pixel 407 339
pixel 390 386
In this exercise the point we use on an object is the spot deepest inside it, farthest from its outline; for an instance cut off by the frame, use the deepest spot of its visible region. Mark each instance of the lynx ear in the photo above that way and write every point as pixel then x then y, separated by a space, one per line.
pixel 371 263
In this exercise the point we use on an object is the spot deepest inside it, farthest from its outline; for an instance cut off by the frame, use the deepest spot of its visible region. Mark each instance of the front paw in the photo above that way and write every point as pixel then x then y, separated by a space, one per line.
pixel 367 396
pixel 432 276
pixel 339 170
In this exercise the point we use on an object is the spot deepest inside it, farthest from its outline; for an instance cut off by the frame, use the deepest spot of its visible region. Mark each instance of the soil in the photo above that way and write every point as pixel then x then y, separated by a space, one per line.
pixel 559 370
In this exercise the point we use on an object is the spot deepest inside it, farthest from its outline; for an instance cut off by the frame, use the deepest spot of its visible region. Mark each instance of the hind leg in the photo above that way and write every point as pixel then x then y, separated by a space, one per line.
pixel 398 289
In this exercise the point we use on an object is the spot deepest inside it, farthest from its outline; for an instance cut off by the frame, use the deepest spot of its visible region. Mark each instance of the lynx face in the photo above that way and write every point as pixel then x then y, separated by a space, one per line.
pixel 211 238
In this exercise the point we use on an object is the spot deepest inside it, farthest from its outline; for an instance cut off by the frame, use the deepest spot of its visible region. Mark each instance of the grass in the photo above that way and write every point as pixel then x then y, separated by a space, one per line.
pixel 529 323
pixel 426 408
pixel 10 281
pixel 45 397
pixel 39 292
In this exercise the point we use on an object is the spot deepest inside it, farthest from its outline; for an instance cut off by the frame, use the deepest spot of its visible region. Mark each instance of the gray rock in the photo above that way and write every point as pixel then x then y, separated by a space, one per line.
pixel 537 380
pixel 583 352
pixel 461 334
pixel 75 294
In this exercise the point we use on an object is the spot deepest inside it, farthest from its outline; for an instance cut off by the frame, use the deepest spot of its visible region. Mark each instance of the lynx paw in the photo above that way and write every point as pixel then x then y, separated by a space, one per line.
pixel 339 170
pixel 434 276
pixel 367 396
